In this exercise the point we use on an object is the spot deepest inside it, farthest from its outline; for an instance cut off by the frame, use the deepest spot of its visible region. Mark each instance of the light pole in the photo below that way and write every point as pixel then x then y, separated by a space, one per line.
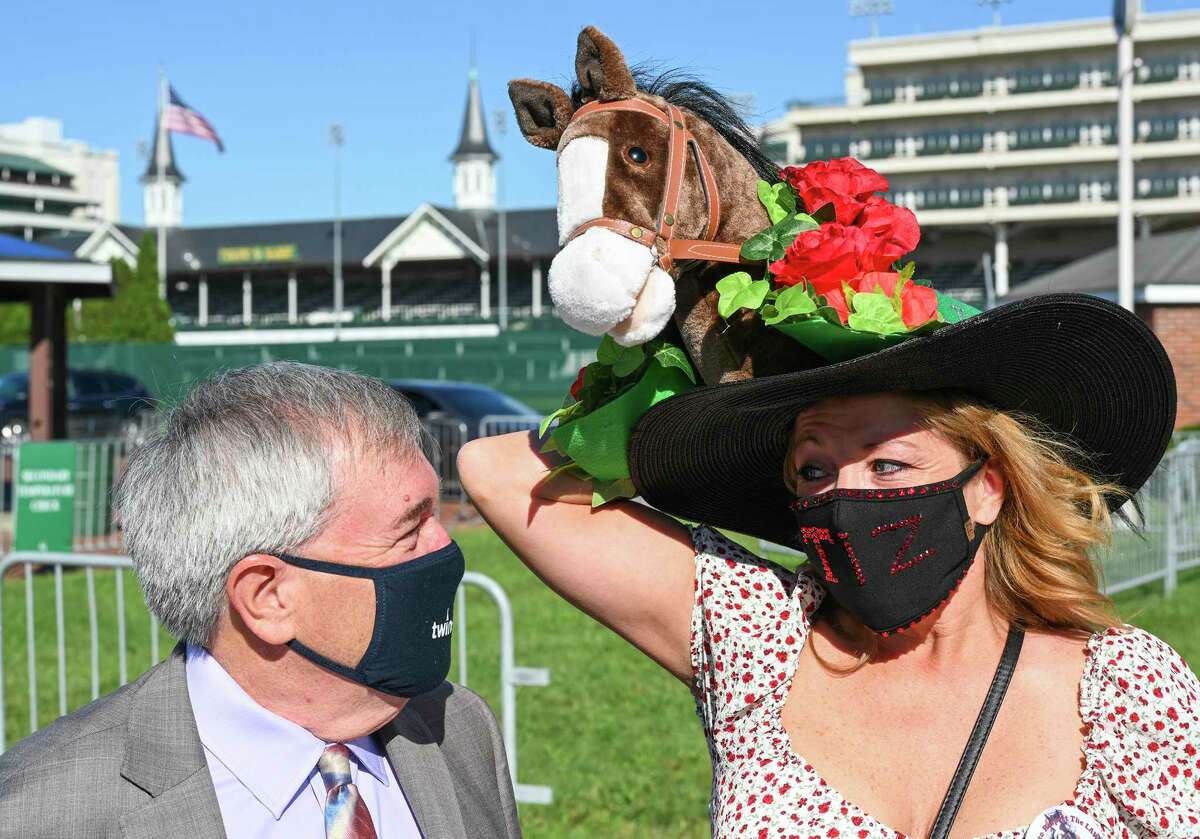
pixel 1124 17
pixel 501 120
pixel 995 4
pixel 337 139
pixel 872 9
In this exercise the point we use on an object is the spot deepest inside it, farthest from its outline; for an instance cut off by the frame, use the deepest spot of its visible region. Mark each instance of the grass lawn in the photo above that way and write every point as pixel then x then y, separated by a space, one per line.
pixel 616 738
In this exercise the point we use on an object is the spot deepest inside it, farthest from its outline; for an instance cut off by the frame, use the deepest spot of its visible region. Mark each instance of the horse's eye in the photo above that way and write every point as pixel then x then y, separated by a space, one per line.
pixel 637 154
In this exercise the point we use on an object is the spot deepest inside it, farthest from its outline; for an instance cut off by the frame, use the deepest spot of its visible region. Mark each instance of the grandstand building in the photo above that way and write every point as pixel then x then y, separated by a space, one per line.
pixel 434 272
pixel 49 185
pixel 1003 139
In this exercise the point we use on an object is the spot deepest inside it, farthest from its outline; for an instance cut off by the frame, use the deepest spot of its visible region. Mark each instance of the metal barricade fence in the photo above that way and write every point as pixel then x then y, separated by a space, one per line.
pixel 1154 538
pixel 98 464
pixel 494 424
pixel 448 435
pixel 71 692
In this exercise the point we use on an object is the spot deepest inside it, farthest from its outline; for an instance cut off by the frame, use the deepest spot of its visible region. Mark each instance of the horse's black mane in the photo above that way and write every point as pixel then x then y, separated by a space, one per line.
pixel 688 92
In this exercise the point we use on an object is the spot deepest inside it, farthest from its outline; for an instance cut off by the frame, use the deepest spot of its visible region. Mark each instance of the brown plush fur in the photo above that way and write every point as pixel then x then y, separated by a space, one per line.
pixel 722 351
pixel 543 111
pixel 601 68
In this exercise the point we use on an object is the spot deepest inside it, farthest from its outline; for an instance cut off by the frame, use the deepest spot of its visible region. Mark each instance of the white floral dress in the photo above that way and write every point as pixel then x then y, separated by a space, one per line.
pixel 750 620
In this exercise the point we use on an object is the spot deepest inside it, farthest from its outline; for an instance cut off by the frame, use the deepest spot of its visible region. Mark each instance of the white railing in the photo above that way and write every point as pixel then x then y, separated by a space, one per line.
pixel 511 676
pixel 494 424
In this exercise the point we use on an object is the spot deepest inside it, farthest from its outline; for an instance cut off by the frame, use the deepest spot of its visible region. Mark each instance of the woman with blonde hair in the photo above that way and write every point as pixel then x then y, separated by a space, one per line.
pixel 949 492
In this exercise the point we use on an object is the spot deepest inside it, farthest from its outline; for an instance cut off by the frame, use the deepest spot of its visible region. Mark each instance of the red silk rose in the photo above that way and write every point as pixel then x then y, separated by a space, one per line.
pixel 824 257
pixel 578 386
pixel 893 231
pixel 843 182
pixel 918 303
pixel 836 300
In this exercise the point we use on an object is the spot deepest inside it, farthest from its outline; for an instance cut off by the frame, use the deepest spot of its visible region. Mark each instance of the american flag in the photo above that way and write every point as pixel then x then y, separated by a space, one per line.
pixel 182 119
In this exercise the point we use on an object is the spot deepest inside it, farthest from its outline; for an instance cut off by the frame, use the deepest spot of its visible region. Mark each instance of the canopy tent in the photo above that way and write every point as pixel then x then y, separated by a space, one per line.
pixel 48 279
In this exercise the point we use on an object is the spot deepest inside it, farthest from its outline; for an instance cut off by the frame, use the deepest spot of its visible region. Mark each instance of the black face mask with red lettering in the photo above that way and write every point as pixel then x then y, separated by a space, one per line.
pixel 891 556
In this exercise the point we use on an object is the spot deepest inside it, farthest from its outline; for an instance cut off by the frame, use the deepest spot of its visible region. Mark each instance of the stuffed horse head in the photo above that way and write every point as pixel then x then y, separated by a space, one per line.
pixel 656 191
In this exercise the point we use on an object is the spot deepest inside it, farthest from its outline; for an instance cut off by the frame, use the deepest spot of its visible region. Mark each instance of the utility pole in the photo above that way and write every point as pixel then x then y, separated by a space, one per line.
pixel 1125 14
pixel 337 140
pixel 502 226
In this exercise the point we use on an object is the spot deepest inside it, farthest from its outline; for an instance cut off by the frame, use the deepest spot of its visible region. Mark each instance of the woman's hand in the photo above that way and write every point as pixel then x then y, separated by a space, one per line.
pixel 628 566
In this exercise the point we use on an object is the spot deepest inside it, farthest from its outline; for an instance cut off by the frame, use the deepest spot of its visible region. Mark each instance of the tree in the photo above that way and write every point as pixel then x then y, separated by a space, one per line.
pixel 136 312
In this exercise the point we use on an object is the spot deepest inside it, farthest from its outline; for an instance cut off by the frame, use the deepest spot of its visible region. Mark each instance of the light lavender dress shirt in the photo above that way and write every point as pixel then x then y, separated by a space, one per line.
pixel 264 767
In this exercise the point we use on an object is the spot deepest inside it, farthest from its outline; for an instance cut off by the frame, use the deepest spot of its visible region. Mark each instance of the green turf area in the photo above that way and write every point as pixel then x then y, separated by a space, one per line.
pixel 616 738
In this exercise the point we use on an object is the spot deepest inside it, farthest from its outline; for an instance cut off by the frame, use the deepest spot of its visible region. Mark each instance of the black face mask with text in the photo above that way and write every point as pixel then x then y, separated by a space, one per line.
pixel 891 556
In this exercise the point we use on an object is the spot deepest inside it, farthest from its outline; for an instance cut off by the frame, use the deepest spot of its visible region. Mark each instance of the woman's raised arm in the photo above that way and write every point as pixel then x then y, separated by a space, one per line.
pixel 628 566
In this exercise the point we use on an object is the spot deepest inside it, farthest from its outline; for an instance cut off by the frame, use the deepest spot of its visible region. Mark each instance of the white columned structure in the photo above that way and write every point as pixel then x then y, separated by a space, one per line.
pixel 535 281
pixel 1125 15
pixel 485 292
pixel 385 298
pixel 292 304
pixel 1000 259
pixel 202 307
pixel 247 299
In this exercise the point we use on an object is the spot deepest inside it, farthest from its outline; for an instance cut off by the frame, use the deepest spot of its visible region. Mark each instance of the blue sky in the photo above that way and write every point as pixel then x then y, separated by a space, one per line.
pixel 272 75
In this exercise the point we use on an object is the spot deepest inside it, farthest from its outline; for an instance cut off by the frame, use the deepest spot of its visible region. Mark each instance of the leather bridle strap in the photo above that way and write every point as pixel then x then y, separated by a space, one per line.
pixel 680 142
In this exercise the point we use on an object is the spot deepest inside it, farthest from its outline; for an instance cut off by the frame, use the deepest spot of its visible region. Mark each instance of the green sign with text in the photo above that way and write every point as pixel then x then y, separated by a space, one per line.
pixel 44 497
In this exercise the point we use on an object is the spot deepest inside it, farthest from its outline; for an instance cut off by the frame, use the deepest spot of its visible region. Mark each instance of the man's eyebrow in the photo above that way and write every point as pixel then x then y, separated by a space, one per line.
pixel 421 508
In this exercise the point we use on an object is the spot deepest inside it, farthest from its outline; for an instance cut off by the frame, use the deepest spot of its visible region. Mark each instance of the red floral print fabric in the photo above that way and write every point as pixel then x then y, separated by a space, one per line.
pixel 751 619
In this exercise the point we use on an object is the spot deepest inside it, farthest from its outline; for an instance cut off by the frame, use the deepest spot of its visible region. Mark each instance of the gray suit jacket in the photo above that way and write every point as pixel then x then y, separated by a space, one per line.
pixel 130 766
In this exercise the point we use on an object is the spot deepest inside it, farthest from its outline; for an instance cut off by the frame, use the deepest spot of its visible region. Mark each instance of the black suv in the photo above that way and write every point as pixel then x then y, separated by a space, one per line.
pixel 99 404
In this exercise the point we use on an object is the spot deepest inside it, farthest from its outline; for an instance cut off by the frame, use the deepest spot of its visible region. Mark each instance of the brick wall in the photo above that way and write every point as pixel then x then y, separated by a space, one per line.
pixel 1178 327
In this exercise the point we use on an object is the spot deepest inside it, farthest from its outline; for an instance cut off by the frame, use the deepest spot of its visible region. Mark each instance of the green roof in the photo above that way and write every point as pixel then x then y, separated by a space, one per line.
pixel 20 163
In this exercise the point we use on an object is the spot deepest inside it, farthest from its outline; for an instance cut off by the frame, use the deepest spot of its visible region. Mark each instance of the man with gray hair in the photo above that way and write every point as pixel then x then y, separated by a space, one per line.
pixel 282 525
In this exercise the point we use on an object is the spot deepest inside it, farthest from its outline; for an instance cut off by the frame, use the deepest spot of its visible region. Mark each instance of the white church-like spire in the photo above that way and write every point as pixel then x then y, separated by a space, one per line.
pixel 474 158
pixel 162 198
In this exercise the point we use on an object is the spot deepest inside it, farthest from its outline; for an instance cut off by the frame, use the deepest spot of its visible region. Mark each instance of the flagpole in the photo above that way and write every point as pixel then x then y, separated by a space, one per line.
pixel 160 155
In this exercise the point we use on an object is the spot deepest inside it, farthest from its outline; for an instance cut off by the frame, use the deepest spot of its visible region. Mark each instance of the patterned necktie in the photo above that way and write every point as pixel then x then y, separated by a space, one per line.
pixel 346 815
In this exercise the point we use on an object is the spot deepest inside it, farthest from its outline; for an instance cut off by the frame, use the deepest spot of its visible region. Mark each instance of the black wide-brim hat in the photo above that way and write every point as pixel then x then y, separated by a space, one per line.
pixel 1086 368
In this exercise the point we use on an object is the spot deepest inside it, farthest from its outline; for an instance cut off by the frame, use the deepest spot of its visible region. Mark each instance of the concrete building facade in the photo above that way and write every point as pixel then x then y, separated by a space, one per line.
pixel 51 185
pixel 1003 139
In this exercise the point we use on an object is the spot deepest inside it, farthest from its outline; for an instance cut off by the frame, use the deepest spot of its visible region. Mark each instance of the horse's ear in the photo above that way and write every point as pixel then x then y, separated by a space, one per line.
pixel 602 71
pixel 543 111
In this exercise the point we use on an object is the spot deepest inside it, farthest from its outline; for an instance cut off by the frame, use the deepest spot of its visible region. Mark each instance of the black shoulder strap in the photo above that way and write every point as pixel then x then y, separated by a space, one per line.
pixel 979 734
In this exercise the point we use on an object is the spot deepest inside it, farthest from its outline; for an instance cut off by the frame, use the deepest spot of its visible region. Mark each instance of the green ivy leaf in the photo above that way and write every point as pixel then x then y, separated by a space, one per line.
pixel 729 288
pixel 608 351
pixel 751 297
pixel 759 247
pixel 808 221
pixel 605 491
pixel 793 301
pixel 786 231
pixel 778 198
pixel 628 361
pixel 873 312
pixel 669 355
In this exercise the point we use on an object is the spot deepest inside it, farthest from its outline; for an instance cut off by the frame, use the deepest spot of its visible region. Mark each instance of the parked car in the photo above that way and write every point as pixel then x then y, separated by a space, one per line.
pixel 470 403
pixel 100 403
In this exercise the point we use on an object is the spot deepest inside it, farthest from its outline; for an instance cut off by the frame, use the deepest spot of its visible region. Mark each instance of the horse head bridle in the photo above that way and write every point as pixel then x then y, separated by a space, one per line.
pixel 680 141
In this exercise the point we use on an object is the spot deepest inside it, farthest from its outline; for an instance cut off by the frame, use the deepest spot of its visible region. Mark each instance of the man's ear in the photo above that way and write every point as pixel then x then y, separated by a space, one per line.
pixel 601 69
pixel 543 111
pixel 263 596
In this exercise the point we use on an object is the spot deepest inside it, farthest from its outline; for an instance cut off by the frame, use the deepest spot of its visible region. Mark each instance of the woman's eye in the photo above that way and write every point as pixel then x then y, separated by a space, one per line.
pixel 811 472
pixel 887 467
pixel 637 154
